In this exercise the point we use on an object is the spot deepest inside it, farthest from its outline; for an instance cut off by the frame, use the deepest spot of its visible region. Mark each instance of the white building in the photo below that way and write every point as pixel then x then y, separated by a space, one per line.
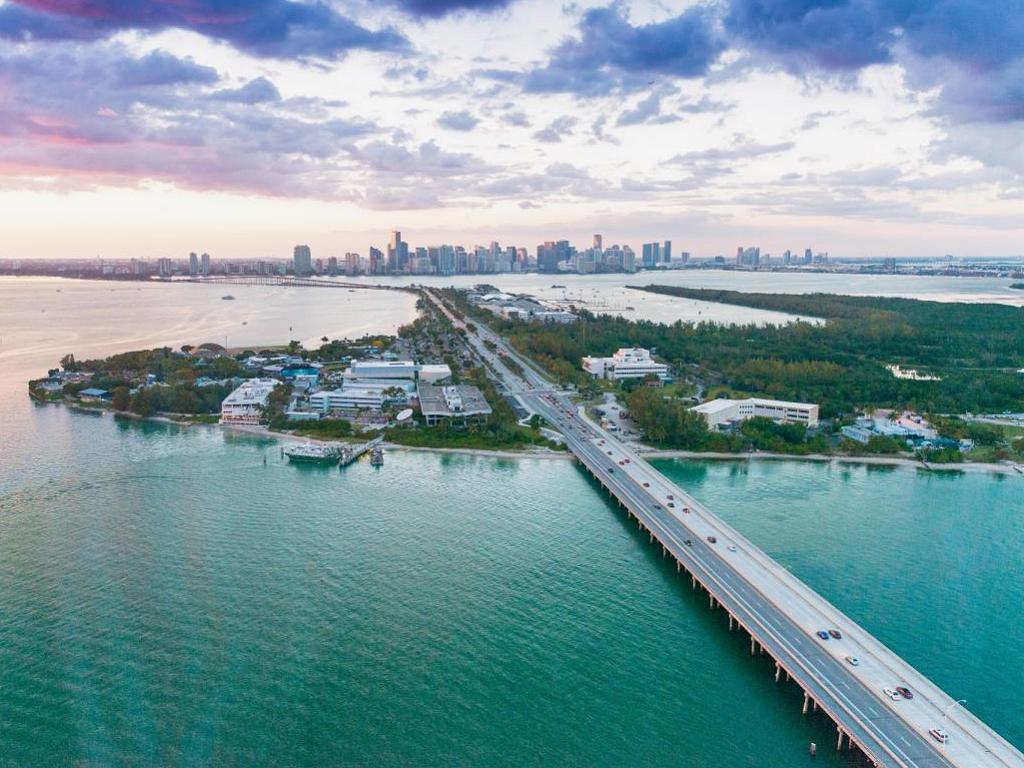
pixel 397 369
pixel 721 412
pixel 246 404
pixel 461 403
pixel 627 363
pixel 362 395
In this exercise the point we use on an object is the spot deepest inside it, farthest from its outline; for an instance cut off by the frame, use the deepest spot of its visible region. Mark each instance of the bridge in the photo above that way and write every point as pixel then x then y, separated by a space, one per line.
pixel 290 281
pixel 758 596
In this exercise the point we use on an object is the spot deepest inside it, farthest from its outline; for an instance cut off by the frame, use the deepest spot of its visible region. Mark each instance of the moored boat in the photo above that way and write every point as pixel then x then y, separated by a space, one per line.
pixel 313 454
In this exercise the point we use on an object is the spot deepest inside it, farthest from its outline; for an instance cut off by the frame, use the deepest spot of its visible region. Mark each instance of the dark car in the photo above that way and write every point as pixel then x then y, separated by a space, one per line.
pixel 647 485
pixel 671 497
pixel 836 634
pixel 822 634
pixel 904 692
pixel 688 542
pixel 712 540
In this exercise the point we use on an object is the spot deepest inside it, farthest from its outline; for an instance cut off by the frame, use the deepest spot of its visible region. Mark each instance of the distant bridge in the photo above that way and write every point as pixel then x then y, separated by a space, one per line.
pixel 288 281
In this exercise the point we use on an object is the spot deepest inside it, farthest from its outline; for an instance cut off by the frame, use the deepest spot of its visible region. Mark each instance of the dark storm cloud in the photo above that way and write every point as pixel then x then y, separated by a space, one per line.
pixel 271 28
pixel 435 9
pixel 612 54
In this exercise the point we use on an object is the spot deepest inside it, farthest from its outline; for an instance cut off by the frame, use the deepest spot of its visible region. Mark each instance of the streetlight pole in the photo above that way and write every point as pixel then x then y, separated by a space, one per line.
pixel 945 715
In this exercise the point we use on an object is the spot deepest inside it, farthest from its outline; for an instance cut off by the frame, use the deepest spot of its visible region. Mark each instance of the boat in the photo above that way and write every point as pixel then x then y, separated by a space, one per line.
pixel 228 297
pixel 313 454
pixel 558 286
pixel 377 457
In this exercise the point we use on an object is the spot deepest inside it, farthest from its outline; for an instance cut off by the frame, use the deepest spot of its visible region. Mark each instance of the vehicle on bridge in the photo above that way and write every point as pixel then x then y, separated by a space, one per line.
pixel 939 735
pixel 822 634
pixel 891 694
pixel 853 661
pixel 836 634
pixel 712 539
pixel 905 692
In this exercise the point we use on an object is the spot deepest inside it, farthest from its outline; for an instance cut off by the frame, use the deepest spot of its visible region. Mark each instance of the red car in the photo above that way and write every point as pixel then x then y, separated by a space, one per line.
pixel 904 692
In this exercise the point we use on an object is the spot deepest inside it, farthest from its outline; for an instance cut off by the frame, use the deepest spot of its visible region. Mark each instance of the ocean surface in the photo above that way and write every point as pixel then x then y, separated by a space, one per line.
pixel 183 597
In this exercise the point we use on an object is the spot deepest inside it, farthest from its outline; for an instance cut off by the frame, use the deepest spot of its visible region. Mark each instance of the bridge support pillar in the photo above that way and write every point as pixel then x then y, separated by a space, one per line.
pixel 693 580
pixel 679 566
pixel 753 644
pixel 711 600
pixel 730 622
pixel 839 741
pixel 806 701
pixel 650 536
pixel 778 671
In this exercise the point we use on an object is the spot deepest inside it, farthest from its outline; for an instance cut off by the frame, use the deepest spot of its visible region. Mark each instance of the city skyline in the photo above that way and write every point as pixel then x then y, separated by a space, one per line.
pixel 709 123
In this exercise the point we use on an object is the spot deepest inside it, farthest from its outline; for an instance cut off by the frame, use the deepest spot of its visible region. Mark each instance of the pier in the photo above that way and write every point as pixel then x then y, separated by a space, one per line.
pixel 756 595
pixel 350 454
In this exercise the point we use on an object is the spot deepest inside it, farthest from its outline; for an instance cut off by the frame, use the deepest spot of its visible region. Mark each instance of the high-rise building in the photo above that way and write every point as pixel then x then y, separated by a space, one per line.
pixel 193 264
pixel 351 264
pixel 165 267
pixel 204 264
pixel 398 253
pixel 332 266
pixel 377 265
pixel 666 252
pixel 808 256
pixel 598 243
pixel 651 255
pixel 302 260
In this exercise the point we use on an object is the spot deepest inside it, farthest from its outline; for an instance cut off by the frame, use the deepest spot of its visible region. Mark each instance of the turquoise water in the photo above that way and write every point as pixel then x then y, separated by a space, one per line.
pixel 167 598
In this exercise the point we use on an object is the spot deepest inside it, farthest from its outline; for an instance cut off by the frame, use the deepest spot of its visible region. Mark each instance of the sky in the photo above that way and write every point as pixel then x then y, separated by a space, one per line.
pixel 243 127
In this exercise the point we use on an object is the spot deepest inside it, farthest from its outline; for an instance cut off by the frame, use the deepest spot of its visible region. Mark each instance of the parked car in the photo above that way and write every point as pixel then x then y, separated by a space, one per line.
pixel 891 694
pixel 853 661
pixel 939 735
pixel 822 634
pixel 905 692
pixel 836 634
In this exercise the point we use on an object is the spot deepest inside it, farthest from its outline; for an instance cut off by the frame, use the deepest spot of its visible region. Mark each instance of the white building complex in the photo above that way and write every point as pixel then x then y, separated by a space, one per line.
pixel 363 395
pixel 627 363
pixel 397 369
pixel 722 412
pixel 459 403
pixel 246 404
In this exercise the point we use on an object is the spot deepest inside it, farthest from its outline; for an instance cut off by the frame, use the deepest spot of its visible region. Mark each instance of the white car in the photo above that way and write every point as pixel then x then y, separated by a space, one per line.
pixel 853 661
pixel 891 694
pixel 732 547
pixel 939 735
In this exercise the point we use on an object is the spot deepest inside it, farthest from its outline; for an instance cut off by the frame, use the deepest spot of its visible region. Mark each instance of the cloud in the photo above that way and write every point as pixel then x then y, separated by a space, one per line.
pixel 552 134
pixel 435 9
pixel 741 149
pixel 611 54
pixel 258 91
pixel 98 114
pixel 649 109
pixel 287 29
pixel 458 121
pixel 516 118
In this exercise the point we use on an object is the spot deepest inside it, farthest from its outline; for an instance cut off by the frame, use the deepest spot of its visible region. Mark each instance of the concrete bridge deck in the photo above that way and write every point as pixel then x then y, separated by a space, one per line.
pixel 779 612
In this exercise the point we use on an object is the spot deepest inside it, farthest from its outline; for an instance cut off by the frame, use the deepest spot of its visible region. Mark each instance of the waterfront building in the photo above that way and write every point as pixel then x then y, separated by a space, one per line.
pixel 302 260
pixel 377 266
pixel 247 403
pixel 351 264
pixel 363 395
pixel 626 363
pixel 457 404
pixel 722 413
pixel 397 369
pixel 193 264
pixel 204 267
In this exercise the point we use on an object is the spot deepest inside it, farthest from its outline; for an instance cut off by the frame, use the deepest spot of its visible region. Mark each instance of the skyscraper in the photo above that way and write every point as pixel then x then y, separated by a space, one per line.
pixel 398 253
pixel 193 264
pixel 303 260
pixel 205 264
pixel 377 265
pixel 666 252
pixel 598 244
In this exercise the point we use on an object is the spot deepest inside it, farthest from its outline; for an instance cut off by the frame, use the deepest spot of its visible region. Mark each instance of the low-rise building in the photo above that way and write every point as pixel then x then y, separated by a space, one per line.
pixel 723 412
pixel 246 404
pixel 363 395
pixel 398 369
pixel 626 363
pixel 459 404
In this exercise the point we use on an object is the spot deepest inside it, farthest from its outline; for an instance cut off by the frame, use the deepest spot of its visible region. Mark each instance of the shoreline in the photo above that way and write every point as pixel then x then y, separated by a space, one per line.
pixel 645 452
pixel 653 453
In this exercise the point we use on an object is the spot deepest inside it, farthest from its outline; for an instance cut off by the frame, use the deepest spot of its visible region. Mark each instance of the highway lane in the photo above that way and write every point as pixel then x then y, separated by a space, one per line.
pixel 775 607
